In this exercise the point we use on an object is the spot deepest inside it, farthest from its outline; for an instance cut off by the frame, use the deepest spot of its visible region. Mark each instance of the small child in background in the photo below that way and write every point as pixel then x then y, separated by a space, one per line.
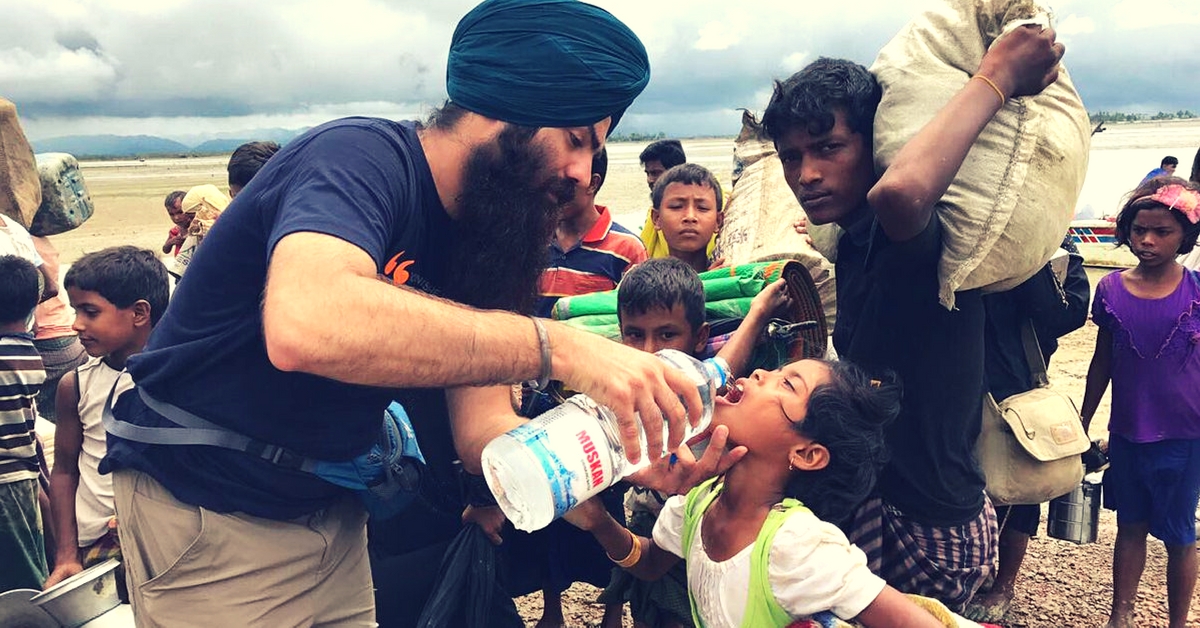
pixel 118 294
pixel 22 542
pixel 174 205
pixel 757 542
pixel 1149 320
pixel 660 305
pixel 688 213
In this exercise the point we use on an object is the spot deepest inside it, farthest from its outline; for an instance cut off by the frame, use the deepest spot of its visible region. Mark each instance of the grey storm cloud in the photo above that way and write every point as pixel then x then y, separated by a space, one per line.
pixel 130 59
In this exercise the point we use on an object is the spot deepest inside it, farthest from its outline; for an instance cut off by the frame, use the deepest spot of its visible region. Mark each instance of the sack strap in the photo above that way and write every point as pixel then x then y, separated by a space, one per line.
pixel 1033 355
pixel 194 430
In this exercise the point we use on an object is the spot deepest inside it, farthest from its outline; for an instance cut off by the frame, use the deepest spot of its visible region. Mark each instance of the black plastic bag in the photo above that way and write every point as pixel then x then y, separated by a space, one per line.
pixel 467 593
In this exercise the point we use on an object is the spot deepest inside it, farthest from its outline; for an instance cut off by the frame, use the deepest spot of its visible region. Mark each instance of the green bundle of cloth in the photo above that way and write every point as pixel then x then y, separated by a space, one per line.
pixel 728 293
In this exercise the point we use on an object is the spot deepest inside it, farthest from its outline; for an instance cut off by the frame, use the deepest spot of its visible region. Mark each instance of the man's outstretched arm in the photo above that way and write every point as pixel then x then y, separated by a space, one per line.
pixel 325 312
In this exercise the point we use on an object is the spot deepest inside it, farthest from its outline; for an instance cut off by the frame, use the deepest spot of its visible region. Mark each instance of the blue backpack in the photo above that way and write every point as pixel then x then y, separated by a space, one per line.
pixel 387 477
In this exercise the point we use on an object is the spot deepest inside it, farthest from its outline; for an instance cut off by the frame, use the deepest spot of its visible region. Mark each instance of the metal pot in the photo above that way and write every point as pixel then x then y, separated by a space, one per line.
pixel 82 597
pixel 1075 517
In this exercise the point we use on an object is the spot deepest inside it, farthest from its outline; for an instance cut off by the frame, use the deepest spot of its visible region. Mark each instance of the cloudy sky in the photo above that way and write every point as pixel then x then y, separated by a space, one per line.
pixel 194 69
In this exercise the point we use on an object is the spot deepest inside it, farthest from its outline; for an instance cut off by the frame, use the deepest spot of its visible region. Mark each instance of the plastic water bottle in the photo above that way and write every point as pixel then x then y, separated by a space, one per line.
pixel 546 467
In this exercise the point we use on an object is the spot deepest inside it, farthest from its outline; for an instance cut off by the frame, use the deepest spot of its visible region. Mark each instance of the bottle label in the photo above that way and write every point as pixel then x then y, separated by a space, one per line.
pixel 573 450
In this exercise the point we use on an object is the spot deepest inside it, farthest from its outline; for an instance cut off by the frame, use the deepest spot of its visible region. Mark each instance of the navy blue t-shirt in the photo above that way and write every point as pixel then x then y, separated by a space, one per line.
pixel 362 180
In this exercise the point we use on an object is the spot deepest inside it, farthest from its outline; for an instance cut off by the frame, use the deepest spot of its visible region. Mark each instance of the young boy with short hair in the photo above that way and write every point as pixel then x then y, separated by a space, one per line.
pixel 688 213
pixel 589 252
pixel 22 541
pixel 660 305
pixel 118 294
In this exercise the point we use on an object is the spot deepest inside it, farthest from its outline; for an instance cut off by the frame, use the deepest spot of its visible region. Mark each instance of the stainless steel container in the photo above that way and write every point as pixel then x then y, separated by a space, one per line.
pixel 1075 517
pixel 82 597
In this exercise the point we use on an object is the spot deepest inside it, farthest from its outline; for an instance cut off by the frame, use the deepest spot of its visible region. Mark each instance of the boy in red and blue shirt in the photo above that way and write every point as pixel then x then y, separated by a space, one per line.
pixel 589 252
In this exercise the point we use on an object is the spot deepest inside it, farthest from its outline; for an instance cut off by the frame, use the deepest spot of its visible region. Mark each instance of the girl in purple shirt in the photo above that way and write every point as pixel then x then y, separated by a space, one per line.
pixel 1149 320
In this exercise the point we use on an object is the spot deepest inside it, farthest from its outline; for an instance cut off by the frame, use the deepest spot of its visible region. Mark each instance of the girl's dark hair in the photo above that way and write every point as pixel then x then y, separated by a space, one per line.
pixel 1196 167
pixel 848 416
pixel 1137 201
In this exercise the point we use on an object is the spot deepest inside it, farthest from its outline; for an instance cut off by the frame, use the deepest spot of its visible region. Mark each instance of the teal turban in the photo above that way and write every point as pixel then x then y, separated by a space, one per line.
pixel 545 63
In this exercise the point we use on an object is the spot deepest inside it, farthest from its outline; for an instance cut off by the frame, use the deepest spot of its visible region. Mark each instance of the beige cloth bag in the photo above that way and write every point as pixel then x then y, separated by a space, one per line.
pixel 1015 194
pixel 1030 444
pixel 760 212
pixel 20 186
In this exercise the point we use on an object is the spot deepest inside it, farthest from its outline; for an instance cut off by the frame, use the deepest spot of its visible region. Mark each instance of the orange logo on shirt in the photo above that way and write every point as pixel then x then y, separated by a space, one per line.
pixel 397 270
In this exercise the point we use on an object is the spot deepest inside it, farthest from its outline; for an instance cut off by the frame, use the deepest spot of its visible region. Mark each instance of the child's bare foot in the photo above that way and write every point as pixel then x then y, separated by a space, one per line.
pixel 613 619
pixel 552 613
pixel 990 607
pixel 1121 620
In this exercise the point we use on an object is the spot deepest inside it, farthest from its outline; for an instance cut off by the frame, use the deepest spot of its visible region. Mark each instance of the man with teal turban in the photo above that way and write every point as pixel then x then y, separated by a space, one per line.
pixel 284 333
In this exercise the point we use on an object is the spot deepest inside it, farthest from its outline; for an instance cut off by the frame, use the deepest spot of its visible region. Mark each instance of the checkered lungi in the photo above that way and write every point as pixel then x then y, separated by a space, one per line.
pixel 103 549
pixel 947 563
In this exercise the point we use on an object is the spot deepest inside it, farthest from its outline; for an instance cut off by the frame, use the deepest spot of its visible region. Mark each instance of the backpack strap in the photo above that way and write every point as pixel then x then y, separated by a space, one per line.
pixel 193 430
pixel 761 607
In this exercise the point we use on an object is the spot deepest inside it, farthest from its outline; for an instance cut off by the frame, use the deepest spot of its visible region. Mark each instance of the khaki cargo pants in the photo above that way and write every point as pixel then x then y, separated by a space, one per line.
pixel 187 566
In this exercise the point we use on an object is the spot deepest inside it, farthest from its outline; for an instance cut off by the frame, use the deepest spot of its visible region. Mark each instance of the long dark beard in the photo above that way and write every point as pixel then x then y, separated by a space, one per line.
pixel 508 208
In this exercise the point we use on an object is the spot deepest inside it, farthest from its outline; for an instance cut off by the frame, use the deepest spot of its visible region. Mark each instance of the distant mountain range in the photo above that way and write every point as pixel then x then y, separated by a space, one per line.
pixel 84 146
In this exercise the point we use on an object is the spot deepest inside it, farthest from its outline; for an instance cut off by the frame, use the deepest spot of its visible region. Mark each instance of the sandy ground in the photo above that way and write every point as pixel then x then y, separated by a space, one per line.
pixel 1062 584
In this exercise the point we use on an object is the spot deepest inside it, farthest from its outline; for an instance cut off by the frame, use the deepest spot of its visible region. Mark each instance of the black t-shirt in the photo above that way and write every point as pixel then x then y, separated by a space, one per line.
pixel 889 318
pixel 362 180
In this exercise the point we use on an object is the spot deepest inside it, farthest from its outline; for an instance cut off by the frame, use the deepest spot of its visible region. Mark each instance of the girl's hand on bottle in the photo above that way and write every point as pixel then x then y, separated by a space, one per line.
pixel 681 472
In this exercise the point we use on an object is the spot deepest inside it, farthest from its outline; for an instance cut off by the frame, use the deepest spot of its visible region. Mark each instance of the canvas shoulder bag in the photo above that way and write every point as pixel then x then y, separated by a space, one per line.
pixel 1030 444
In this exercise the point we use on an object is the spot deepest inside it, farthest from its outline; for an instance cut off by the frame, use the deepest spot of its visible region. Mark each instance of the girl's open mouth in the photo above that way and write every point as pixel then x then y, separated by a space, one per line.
pixel 733 393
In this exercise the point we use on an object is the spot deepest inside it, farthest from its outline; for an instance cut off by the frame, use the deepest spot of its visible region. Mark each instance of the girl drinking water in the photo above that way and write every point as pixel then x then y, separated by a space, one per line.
pixel 758 545
pixel 1149 320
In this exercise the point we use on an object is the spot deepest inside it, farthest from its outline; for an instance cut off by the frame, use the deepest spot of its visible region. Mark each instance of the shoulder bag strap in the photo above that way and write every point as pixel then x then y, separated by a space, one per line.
pixel 1033 355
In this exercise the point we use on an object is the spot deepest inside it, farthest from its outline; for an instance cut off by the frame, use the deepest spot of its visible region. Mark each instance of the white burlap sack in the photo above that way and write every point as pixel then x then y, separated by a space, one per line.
pixel 1014 197
pixel 760 212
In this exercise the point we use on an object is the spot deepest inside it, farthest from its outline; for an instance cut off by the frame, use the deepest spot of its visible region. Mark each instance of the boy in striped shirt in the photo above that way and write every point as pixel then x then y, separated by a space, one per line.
pixel 589 252
pixel 21 376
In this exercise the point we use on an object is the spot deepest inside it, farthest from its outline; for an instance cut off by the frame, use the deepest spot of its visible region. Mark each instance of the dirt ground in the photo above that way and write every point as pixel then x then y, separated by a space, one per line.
pixel 1061 584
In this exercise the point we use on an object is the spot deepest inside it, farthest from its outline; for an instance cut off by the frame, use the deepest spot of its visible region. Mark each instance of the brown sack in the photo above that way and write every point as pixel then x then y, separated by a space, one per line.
pixel 20 187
